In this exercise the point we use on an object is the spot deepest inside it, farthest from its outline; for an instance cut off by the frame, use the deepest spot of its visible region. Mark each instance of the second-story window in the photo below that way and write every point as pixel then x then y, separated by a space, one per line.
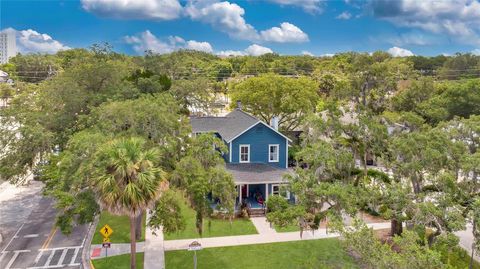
pixel 273 153
pixel 244 153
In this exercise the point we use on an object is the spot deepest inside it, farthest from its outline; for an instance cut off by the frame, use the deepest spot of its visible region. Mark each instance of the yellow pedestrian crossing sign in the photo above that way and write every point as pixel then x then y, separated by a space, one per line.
pixel 106 231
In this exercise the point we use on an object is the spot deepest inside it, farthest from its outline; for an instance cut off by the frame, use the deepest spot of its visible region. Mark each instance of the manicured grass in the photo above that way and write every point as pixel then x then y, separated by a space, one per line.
pixel 458 258
pixel 118 262
pixel 323 253
pixel 120 226
pixel 211 227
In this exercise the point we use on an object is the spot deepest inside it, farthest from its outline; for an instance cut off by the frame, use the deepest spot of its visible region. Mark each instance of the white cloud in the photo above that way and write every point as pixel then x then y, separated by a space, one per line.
pixel 200 46
pixel 344 16
pixel 476 52
pixel 458 18
pixel 307 53
pixel 399 52
pixel 253 50
pixel 414 38
pixel 31 41
pixel 311 6
pixel 146 41
pixel 287 32
pixel 327 55
pixel 227 53
pixel 225 16
pixel 134 9
pixel 257 50
pixel 222 15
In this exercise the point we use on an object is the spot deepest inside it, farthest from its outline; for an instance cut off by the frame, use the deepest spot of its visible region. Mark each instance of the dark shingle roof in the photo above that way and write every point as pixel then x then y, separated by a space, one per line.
pixel 233 124
pixel 251 173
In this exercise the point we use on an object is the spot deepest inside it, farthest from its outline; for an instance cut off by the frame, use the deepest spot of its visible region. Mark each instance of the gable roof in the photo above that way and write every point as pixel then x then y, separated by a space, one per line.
pixel 229 127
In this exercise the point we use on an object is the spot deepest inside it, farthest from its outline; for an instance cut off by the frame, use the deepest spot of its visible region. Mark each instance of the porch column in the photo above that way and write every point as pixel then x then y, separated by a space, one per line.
pixel 240 195
pixel 266 192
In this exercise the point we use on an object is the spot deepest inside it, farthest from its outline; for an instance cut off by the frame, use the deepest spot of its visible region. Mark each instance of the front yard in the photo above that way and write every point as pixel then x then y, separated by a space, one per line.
pixel 211 227
pixel 118 262
pixel 324 253
pixel 120 226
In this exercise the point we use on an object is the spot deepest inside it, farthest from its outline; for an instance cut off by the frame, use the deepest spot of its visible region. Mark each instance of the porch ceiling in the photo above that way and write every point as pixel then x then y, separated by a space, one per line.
pixel 254 173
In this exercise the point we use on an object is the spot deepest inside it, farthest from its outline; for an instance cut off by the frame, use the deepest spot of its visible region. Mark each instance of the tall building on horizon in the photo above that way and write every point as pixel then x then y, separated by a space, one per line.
pixel 8 46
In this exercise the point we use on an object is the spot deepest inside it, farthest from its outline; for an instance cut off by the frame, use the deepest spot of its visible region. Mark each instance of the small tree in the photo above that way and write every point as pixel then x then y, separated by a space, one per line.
pixel 128 182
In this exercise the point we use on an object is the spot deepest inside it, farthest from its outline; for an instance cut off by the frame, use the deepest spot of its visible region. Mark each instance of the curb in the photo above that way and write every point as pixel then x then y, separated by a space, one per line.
pixel 86 262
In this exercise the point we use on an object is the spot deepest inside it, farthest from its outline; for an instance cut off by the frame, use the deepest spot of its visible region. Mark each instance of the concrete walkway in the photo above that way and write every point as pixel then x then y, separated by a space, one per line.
pixel 466 240
pixel 154 253
pixel 266 235
pixel 115 249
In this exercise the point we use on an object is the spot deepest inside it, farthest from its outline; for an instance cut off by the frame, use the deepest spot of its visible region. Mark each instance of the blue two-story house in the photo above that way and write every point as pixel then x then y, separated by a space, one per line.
pixel 257 156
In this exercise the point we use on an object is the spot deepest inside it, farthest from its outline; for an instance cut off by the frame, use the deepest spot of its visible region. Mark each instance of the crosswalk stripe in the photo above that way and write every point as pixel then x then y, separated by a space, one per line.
pixel 14 257
pixel 49 260
pixel 3 255
pixel 62 257
pixel 74 257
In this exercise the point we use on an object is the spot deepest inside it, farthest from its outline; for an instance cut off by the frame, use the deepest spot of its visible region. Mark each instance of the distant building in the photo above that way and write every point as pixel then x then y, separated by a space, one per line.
pixel 8 46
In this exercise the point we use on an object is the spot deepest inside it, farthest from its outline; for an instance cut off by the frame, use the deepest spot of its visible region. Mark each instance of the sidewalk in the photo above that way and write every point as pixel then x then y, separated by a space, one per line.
pixel 115 249
pixel 266 235
pixel 154 253
pixel 466 241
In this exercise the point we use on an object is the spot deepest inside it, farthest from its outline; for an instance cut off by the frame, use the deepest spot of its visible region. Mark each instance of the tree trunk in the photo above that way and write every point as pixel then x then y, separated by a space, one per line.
pixel 133 244
pixel 139 227
pixel 396 227
pixel 365 169
pixel 199 223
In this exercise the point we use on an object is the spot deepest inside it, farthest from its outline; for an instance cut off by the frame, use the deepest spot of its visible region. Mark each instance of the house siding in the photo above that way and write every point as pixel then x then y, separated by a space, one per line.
pixel 259 138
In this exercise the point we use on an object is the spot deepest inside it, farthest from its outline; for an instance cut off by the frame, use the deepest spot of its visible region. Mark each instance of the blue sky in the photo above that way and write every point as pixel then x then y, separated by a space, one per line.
pixel 402 27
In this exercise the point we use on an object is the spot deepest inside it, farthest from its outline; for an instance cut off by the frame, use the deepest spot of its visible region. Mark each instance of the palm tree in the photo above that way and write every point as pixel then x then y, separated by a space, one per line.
pixel 128 182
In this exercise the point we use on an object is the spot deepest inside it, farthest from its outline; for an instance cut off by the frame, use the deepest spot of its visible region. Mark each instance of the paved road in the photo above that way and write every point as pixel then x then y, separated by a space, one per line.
pixel 30 239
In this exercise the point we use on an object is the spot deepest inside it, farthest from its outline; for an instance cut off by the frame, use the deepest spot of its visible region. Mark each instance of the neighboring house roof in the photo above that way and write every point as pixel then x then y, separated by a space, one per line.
pixel 229 127
pixel 254 173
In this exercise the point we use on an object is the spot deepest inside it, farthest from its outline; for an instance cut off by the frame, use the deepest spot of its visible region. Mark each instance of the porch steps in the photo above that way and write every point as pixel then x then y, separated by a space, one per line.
pixel 256 212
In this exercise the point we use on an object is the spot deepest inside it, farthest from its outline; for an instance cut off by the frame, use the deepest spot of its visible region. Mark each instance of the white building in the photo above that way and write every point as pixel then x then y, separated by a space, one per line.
pixel 8 46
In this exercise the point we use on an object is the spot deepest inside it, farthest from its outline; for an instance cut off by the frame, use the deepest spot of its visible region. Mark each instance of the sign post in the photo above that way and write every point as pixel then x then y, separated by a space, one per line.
pixel 194 246
pixel 106 231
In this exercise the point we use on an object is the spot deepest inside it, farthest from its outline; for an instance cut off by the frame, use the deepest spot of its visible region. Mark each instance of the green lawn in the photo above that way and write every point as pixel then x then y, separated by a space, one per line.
pixel 216 227
pixel 458 258
pixel 324 253
pixel 120 226
pixel 118 262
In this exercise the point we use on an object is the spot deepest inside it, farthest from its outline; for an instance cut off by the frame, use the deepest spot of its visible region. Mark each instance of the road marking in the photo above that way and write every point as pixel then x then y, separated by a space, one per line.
pixel 49 239
pixel 3 255
pixel 14 257
pixel 49 260
pixel 62 257
pixel 60 248
pixel 30 235
pixel 74 257
pixel 40 254
pixel 13 237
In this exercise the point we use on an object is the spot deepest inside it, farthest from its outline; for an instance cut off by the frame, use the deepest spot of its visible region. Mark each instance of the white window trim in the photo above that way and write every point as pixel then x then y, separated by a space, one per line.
pixel 240 153
pixel 287 193
pixel 278 153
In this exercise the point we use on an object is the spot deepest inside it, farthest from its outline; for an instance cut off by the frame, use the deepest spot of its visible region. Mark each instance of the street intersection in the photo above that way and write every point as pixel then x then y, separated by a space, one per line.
pixel 30 238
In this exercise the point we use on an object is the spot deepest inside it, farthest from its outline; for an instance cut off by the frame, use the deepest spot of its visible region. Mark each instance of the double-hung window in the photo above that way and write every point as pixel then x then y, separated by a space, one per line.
pixel 273 153
pixel 244 153
pixel 277 191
